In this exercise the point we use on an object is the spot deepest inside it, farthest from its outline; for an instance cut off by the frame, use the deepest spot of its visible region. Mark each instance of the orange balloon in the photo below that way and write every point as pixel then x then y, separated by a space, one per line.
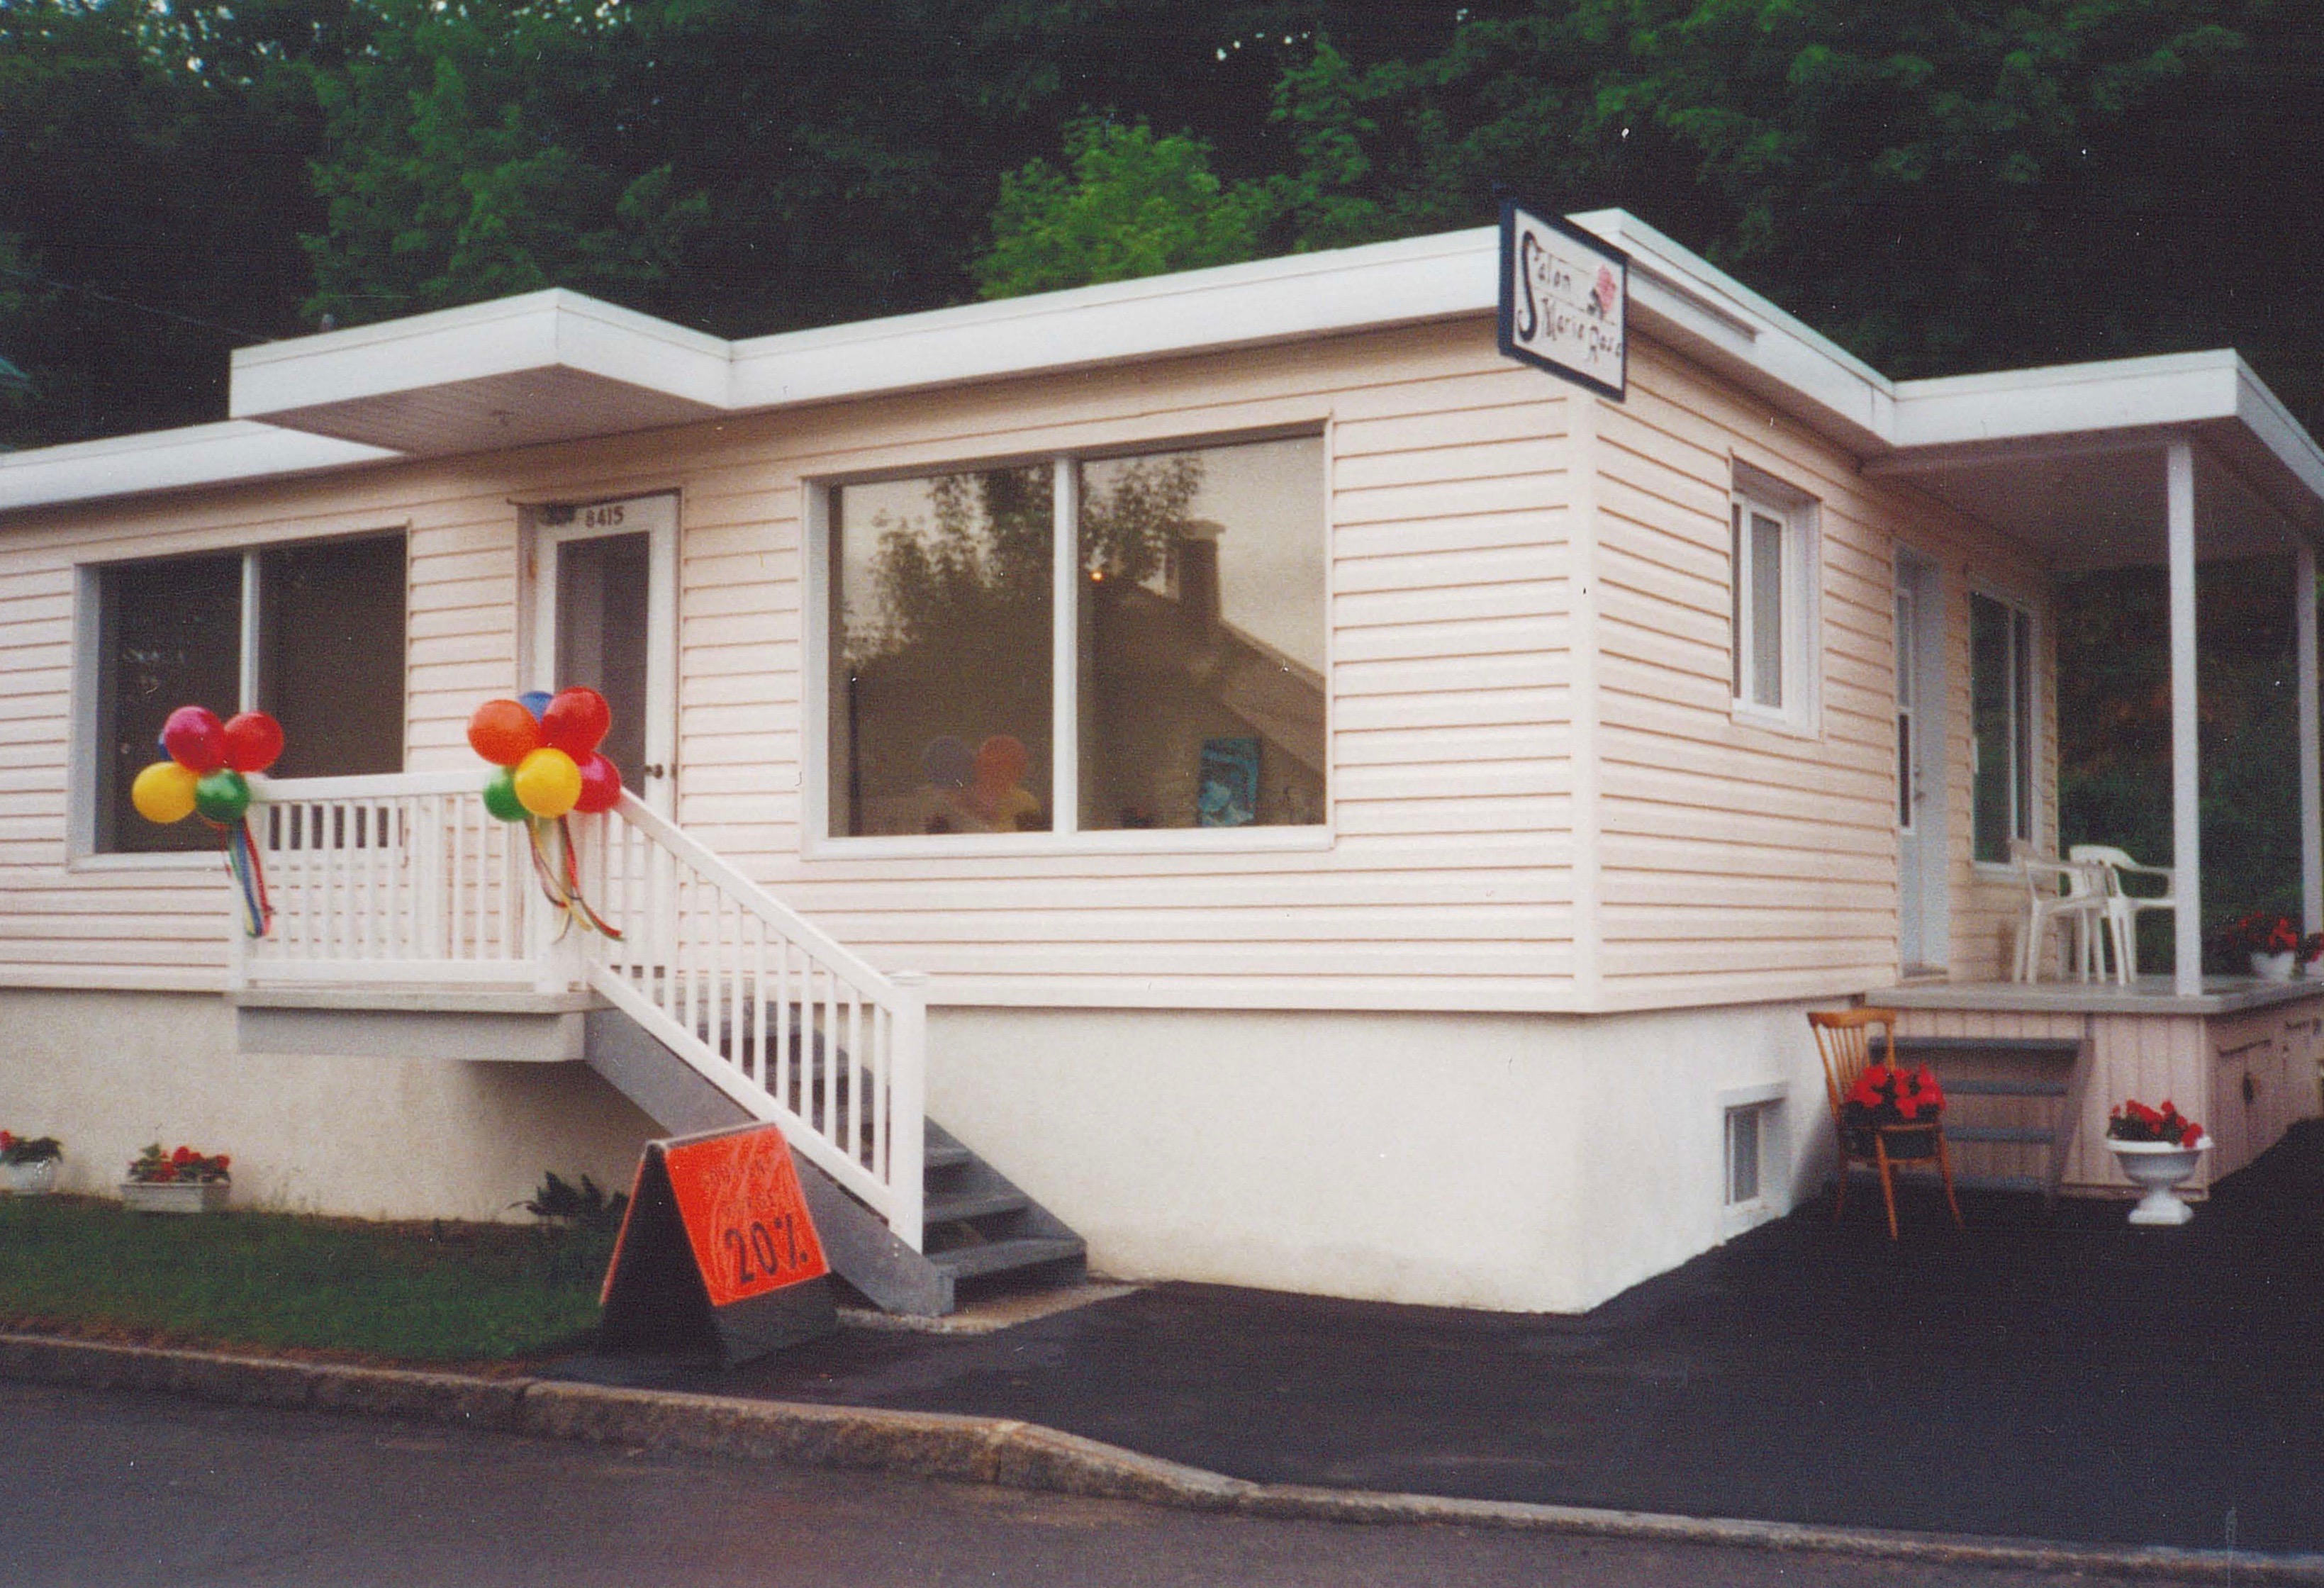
pixel 1001 761
pixel 504 732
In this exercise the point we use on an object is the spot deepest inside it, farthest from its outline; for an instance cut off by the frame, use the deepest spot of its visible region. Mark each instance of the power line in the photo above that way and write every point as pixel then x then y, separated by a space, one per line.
pixel 102 297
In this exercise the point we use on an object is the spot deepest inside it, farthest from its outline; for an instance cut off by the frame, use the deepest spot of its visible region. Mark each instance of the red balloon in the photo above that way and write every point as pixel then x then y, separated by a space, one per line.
pixel 601 785
pixel 253 741
pixel 575 721
pixel 504 732
pixel 195 739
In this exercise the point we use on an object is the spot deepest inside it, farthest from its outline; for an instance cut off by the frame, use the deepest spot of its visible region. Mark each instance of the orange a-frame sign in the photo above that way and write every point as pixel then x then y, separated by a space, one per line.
pixel 744 1215
pixel 717 1251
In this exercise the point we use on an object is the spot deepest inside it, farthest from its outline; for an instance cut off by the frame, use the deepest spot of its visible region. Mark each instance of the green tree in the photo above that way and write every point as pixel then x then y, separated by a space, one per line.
pixel 156 178
pixel 1134 205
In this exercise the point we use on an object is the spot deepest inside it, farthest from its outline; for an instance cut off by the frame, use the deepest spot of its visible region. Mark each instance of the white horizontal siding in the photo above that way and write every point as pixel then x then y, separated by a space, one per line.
pixel 1446 884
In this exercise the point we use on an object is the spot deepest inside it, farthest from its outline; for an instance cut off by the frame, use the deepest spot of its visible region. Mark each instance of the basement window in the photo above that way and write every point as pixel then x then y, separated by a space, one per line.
pixel 1752 1159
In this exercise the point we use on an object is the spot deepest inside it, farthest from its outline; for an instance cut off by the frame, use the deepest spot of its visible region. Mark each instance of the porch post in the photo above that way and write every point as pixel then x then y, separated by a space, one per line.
pixel 2311 816
pixel 2186 837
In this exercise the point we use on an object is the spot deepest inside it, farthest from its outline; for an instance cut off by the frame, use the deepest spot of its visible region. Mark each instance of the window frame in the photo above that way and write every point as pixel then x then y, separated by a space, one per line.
pixel 81 779
pixel 818 494
pixel 1769 1104
pixel 1800 554
pixel 2025 735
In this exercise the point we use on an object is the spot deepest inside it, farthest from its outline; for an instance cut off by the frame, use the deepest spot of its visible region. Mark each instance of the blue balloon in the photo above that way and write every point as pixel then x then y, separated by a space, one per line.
pixel 948 763
pixel 535 701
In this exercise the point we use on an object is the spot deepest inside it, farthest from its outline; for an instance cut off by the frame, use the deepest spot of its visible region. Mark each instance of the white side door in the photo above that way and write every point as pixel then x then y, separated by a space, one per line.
pixel 1921 876
pixel 604 589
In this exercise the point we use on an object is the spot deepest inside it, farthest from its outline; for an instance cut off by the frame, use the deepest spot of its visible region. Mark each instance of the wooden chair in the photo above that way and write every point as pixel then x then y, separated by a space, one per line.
pixel 1844 1037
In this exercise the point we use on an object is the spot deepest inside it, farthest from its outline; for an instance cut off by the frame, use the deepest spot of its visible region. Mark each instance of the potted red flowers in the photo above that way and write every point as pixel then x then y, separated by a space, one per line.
pixel 183 1181
pixel 29 1166
pixel 2271 942
pixel 2157 1149
pixel 1891 1095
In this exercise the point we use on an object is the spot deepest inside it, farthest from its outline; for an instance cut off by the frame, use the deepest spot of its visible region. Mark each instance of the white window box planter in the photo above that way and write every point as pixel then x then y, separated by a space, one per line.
pixel 29 1179
pixel 175 1195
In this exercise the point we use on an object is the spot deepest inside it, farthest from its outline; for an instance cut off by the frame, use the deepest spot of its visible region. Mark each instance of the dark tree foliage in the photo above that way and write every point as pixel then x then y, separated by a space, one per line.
pixel 2114 730
pixel 156 184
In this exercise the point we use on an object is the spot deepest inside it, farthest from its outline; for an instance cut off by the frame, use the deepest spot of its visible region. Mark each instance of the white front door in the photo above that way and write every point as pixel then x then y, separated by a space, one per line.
pixel 604 582
pixel 1921 877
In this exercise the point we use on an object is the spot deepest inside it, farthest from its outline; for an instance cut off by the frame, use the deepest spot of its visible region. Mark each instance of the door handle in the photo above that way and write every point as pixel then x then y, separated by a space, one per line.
pixel 653 769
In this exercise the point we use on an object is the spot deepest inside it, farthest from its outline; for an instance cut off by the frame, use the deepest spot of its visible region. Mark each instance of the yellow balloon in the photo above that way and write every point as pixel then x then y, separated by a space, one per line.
pixel 547 782
pixel 164 792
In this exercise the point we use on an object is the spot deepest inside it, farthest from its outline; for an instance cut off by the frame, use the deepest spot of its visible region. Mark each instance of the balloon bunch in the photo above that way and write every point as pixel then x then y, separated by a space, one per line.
pixel 546 748
pixel 205 777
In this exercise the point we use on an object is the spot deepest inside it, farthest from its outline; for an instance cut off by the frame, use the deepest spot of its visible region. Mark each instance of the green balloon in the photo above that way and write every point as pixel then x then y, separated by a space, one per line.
pixel 222 796
pixel 499 796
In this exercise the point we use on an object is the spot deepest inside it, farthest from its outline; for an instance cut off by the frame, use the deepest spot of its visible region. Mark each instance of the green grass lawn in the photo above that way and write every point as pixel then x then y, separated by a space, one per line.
pixel 436 1292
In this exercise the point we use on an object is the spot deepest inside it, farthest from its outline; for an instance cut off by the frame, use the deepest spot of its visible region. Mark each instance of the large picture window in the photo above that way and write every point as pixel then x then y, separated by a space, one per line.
pixel 2001 747
pixel 1085 644
pixel 312 633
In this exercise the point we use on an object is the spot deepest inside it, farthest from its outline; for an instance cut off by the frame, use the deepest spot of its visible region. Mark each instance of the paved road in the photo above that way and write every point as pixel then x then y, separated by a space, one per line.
pixel 123 1489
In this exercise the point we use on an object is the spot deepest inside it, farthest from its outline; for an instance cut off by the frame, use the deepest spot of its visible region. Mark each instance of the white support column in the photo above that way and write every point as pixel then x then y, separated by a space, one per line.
pixel 1065 650
pixel 2312 814
pixel 2186 788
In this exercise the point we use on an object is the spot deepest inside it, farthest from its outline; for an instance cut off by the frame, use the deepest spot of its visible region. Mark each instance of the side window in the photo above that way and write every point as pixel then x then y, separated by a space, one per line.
pixel 325 634
pixel 2001 724
pixel 1772 554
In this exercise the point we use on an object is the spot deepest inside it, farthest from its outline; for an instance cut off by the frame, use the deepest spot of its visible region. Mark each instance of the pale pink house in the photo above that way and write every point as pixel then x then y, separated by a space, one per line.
pixel 1441 788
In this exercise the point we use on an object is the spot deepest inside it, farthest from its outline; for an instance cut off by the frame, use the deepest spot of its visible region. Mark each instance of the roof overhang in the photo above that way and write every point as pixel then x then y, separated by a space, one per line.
pixel 2067 459
pixel 168 460
pixel 546 366
pixel 2070 459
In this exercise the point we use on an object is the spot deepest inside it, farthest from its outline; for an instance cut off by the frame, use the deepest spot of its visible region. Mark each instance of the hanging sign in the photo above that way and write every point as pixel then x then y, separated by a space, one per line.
pixel 717 1254
pixel 1565 299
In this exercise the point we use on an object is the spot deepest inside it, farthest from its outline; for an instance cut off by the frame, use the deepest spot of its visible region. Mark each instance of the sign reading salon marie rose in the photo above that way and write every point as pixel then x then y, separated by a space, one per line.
pixel 1565 299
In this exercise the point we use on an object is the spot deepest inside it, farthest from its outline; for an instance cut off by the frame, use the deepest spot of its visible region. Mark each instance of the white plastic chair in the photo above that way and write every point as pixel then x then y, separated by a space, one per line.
pixel 2123 907
pixel 2077 898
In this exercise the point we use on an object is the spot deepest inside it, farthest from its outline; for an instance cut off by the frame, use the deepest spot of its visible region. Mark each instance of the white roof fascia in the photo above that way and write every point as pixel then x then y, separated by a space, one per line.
pixel 164 460
pixel 1192 311
pixel 2267 418
pixel 2067 400
pixel 509 336
pixel 1677 294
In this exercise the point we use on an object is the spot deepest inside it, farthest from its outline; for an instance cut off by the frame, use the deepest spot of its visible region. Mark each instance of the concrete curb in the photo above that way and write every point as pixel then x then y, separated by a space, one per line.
pixel 1010 1453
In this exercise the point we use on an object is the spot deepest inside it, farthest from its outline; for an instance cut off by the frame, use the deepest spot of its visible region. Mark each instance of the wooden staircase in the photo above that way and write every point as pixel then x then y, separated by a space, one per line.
pixel 2010 1105
pixel 981 1229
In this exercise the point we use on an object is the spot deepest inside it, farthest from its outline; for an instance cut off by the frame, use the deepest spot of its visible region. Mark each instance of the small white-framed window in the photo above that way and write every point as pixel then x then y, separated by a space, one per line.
pixel 312 632
pixel 1754 1156
pixel 1772 547
pixel 1091 643
pixel 2001 724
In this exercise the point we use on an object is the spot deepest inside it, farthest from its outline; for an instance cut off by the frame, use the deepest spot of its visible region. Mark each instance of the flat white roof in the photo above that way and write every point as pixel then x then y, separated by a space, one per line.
pixel 556 365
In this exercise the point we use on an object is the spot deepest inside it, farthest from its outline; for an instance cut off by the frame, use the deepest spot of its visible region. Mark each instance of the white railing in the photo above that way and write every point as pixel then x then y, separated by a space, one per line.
pixel 408 880
pixel 772 1009
pixel 402 878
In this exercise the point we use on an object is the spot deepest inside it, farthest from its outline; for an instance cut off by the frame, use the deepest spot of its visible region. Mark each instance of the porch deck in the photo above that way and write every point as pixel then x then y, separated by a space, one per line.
pixel 2243 1055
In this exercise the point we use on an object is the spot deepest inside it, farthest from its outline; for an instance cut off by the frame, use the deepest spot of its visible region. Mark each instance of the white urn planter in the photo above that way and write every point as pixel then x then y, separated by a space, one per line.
pixel 29 1180
pixel 2159 1167
pixel 2274 967
pixel 175 1195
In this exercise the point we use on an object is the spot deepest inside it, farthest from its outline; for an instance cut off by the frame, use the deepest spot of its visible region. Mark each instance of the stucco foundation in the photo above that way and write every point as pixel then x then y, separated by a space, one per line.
pixel 390 1138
